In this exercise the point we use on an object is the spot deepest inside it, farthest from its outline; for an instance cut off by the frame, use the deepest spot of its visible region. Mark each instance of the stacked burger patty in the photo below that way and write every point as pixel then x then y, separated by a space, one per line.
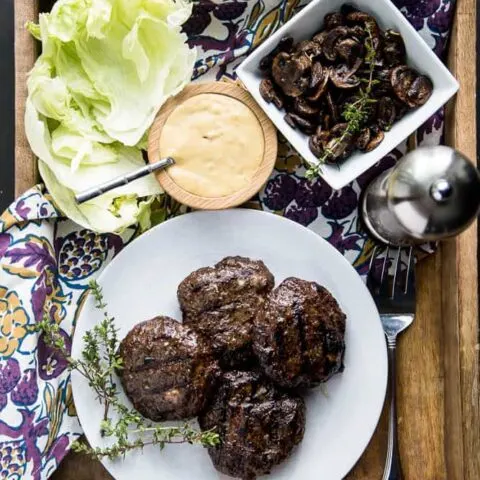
pixel 237 360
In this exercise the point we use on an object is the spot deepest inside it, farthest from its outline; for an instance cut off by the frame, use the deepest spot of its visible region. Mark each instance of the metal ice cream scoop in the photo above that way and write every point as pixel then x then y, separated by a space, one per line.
pixel 431 194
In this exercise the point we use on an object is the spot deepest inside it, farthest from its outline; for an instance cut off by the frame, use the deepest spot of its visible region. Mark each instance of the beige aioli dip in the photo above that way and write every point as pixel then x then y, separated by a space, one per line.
pixel 217 143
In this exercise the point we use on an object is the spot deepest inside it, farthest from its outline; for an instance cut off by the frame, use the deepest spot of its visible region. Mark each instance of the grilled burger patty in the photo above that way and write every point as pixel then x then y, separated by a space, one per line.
pixel 259 425
pixel 168 371
pixel 221 302
pixel 299 334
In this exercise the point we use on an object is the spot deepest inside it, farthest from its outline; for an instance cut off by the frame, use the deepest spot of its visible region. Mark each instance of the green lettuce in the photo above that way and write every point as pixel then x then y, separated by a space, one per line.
pixel 106 68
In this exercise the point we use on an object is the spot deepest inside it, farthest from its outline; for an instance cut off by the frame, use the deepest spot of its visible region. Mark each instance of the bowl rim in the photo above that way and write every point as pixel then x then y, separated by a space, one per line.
pixel 248 68
pixel 263 171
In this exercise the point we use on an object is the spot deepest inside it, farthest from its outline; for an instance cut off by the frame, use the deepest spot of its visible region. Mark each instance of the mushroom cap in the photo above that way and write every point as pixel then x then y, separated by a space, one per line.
pixel 305 125
pixel 318 81
pixel 332 108
pixel 376 138
pixel 365 20
pixel 383 85
pixel 357 31
pixel 270 94
pixel 326 121
pixel 343 77
pixel 357 17
pixel 331 40
pixel 401 79
pixel 284 45
pixel 318 142
pixel 334 19
pixel 340 145
pixel 351 50
pixel 420 91
pixel 303 108
pixel 386 113
pixel 310 48
pixel 320 37
pixel 339 129
pixel 400 107
pixel 410 87
pixel 363 139
pixel 394 51
pixel 292 73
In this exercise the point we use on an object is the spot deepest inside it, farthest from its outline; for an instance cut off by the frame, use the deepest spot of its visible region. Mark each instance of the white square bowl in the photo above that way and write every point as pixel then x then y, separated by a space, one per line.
pixel 308 22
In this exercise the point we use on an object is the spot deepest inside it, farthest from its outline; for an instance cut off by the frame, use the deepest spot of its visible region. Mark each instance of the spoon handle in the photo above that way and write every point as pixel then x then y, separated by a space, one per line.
pixel 98 190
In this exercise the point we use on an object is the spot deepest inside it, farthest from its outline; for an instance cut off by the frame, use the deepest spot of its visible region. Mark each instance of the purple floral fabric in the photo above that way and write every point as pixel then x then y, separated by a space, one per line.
pixel 46 261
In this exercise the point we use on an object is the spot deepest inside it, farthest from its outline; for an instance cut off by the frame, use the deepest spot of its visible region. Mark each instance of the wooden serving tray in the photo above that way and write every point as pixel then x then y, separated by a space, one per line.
pixel 438 394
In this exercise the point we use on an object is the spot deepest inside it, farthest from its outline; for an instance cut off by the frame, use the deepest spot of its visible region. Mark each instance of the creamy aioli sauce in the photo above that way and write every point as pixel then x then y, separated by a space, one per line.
pixel 217 143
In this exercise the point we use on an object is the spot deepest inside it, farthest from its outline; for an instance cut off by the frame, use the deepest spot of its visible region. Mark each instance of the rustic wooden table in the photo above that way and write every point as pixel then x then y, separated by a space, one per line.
pixel 439 401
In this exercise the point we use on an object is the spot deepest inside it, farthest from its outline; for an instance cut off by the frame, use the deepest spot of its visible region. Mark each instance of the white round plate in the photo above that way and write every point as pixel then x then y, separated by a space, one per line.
pixel 142 281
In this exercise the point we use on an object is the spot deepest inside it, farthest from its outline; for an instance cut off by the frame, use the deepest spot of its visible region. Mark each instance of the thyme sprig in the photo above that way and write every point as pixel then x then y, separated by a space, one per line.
pixel 356 113
pixel 98 365
pixel 99 360
pixel 160 436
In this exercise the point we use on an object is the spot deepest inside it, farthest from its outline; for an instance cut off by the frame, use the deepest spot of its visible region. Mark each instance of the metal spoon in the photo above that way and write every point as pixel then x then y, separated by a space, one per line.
pixel 98 190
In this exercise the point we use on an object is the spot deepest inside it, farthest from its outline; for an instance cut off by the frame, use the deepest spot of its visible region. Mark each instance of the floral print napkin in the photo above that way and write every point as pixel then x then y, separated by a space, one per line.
pixel 46 261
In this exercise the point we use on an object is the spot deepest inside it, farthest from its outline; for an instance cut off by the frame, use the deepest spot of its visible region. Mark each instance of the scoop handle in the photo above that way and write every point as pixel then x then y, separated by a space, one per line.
pixel 98 190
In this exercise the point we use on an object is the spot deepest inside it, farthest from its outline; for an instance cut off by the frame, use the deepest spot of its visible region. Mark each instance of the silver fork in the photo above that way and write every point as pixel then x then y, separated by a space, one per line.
pixel 395 300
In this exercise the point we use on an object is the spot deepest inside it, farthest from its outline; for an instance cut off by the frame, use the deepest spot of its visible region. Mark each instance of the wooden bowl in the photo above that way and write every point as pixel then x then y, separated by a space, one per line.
pixel 259 178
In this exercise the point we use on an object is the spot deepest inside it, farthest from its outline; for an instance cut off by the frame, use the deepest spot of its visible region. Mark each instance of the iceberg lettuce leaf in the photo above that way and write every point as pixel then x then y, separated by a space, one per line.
pixel 106 68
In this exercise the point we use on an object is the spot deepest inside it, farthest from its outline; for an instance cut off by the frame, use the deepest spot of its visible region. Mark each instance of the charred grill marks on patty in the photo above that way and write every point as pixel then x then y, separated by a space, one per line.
pixel 299 334
pixel 259 424
pixel 168 371
pixel 221 302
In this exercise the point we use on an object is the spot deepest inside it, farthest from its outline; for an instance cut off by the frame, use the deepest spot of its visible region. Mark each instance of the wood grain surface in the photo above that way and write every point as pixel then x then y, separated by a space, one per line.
pixel 419 392
pixel 438 361
pixel 259 178
pixel 25 56
pixel 438 357
pixel 460 274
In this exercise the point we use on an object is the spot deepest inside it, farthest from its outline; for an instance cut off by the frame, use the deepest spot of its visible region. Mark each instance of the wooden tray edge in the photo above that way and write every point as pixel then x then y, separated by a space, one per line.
pixel 25 55
pixel 460 272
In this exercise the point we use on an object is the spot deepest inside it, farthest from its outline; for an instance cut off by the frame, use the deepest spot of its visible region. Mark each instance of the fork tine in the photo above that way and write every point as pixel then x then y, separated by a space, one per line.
pixel 385 260
pixel 372 282
pixel 397 263
pixel 410 267
pixel 383 286
pixel 372 259
pixel 410 280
